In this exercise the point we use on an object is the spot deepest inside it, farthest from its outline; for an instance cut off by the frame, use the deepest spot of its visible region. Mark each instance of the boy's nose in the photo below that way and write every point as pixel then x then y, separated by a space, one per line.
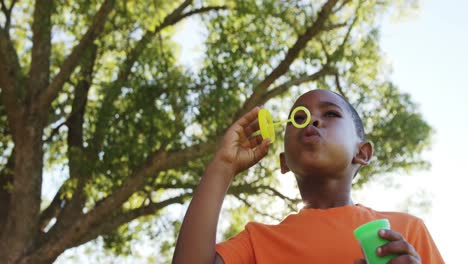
pixel 314 121
pixel 312 128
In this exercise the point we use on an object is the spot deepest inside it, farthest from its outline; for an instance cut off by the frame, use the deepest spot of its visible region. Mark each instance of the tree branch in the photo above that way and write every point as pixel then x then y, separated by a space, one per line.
pixel 255 208
pixel 137 179
pixel 202 10
pixel 135 53
pixel 135 182
pixel 181 8
pixel 151 165
pixel 343 4
pixel 341 48
pixel 158 161
pixel 53 209
pixel 340 51
pixel 55 131
pixel 59 208
pixel 76 157
pixel 9 82
pixel 177 185
pixel 338 87
pixel 114 221
pixel 7 16
pixel 333 26
pixel 6 180
pixel 40 55
pixel 255 189
pixel 125 68
pixel 280 89
pixel 278 193
pixel 325 51
pixel 7 12
pixel 73 59
pixel 291 55
pixel 251 188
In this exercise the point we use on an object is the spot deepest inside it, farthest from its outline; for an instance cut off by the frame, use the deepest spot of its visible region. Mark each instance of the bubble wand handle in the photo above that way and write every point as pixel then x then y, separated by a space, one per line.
pixel 267 127
pixel 281 122
pixel 259 132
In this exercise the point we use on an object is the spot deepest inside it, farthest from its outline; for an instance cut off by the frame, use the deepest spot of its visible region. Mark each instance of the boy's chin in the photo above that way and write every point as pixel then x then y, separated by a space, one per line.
pixel 308 175
pixel 318 171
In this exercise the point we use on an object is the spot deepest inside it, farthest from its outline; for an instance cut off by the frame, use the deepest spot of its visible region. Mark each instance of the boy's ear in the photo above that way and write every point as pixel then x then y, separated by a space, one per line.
pixel 284 166
pixel 364 154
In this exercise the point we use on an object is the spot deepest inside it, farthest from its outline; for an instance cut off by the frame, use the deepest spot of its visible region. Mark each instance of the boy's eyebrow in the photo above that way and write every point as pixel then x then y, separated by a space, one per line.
pixel 327 103
pixel 322 104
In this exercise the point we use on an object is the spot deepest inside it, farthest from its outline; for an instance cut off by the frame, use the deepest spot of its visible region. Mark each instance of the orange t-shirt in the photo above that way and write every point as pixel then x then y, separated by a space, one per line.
pixel 321 236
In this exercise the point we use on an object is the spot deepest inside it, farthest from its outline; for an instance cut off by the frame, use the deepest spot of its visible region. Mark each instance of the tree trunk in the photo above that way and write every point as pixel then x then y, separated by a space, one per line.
pixel 20 232
pixel 6 181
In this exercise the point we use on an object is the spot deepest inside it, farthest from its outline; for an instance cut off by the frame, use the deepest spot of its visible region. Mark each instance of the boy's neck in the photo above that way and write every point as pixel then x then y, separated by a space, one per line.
pixel 323 194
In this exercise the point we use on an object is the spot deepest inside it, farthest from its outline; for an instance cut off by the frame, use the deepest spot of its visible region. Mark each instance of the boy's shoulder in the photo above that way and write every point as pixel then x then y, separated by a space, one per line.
pixel 395 215
pixel 398 220
pixel 353 215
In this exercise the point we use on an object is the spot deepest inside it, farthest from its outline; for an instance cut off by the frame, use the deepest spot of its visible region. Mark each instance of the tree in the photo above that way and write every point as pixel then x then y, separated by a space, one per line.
pixel 96 87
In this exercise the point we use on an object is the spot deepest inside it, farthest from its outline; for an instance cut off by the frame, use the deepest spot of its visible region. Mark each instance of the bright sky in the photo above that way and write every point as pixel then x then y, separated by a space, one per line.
pixel 430 61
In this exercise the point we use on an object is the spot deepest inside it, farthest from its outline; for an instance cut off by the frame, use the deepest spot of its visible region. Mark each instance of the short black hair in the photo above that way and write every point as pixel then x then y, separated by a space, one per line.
pixel 356 118
pixel 357 123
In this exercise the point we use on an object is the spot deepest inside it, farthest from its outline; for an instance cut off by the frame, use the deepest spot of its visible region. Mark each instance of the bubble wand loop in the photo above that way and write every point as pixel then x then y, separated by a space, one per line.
pixel 267 127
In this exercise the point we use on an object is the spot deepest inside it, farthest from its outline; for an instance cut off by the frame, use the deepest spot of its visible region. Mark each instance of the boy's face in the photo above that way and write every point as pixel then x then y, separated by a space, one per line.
pixel 328 144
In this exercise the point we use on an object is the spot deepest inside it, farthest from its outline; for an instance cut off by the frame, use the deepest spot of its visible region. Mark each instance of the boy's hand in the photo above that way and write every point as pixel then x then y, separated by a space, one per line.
pixel 398 246
pixel 238 150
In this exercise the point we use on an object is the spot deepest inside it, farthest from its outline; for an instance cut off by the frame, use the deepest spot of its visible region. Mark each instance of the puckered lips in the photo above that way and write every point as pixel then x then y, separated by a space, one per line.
pixel 311 135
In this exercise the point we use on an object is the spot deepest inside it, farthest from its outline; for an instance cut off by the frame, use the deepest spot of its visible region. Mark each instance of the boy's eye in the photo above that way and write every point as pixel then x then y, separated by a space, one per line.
pixel 332 114
pixel 299 119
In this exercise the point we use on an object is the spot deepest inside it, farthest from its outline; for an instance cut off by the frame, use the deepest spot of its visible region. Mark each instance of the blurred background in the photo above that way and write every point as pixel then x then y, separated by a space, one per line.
pixel 140 105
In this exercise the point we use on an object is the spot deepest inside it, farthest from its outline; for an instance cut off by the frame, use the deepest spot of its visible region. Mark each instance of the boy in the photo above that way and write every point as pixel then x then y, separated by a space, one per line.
pixel 324 156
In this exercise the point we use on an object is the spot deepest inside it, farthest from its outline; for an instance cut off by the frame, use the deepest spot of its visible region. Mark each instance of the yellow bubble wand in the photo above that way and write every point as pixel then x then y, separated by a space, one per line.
pixel 267 126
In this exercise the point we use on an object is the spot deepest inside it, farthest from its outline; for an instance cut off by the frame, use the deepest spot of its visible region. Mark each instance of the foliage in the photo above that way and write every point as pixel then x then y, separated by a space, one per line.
pixel 133 128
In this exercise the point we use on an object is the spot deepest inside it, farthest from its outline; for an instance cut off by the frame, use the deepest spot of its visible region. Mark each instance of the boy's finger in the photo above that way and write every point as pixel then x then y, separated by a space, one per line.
pixel 360 261
pixel 405 259
pixel 246 119
pixel 252 128
pixel 399 247
pixel 390 235
pixel 255 141
pixel 261 150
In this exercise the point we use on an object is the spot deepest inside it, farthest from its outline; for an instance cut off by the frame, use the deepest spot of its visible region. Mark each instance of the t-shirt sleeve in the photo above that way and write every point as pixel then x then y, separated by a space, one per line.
pixel 237 249
pixel 425 246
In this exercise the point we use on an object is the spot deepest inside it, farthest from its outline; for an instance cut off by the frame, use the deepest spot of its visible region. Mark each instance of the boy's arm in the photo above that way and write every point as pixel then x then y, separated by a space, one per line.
pixel 218 259
pixel 197 237
pixel 237 152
